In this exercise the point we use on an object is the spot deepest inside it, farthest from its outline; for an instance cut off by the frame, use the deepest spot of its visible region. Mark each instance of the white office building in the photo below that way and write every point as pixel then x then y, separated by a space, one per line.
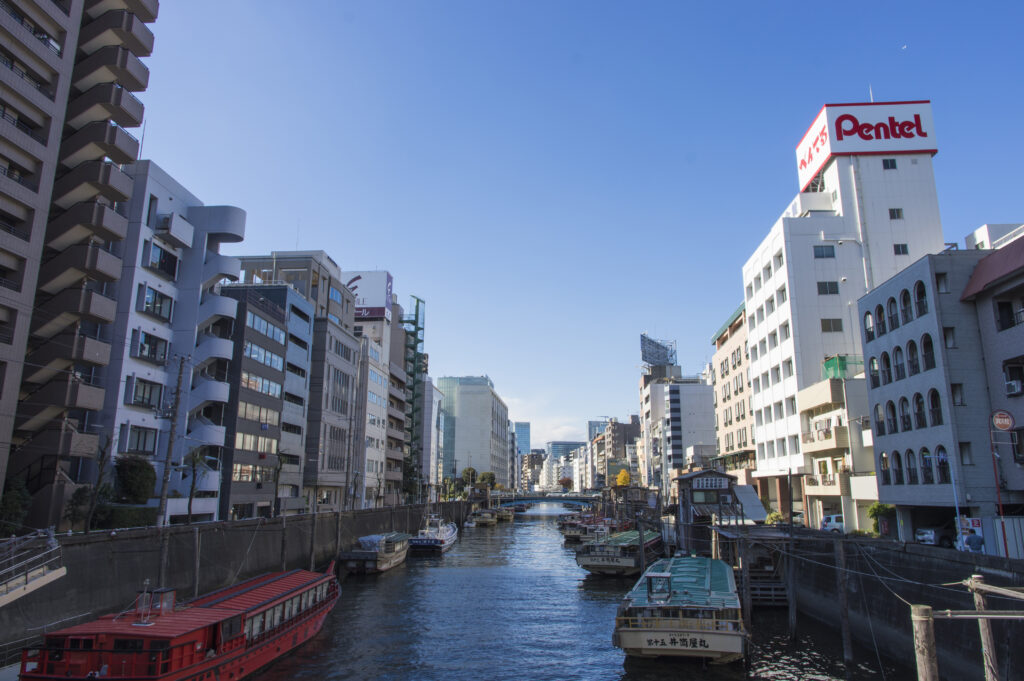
pixel 867 208
pixel 476 432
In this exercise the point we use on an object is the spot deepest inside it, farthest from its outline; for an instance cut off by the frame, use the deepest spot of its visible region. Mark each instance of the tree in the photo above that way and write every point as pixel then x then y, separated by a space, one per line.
pixel 469 475
pixel 196 462
pixel 136 479
pixel 488 478
pixel 623 479
pixel 14 505
pixel 878 510
pixel 565 483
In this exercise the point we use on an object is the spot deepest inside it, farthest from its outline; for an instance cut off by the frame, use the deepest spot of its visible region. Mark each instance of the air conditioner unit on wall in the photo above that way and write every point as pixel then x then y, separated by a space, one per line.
pixel 1014 387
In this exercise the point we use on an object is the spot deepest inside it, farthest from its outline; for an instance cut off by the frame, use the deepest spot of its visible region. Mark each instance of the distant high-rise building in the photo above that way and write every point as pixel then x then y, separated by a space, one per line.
pixel 476 430
pixel 595 427
pixel 522 429
pixel 560 448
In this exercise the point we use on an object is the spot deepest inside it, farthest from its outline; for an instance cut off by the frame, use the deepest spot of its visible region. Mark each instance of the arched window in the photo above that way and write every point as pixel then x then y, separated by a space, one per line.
pixel 913 362
pixel 873 371
pixel 897 360
pixel 905 414
pixel 935 408
pixel 920 420
pixel 906 310
pixel 894 315
pixel 890 417
pixel 927 473
pixel 921 298
pixel 879 420
pixel 886 369
pixel 880 321
pixel 942 465
pixel 897 469
pixel 869 327
pixel 927 352
pixel 883 468
pixel 911 462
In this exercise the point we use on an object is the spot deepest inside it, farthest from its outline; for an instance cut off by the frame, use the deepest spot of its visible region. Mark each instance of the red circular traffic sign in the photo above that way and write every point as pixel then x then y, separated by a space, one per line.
pixel 1002 420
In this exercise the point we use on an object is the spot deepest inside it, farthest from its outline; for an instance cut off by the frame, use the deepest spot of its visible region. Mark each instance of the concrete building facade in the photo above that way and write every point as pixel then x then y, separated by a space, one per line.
pixel 476 432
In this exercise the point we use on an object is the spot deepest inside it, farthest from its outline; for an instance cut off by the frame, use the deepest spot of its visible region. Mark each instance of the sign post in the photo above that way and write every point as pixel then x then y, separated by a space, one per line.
pixel 1001 420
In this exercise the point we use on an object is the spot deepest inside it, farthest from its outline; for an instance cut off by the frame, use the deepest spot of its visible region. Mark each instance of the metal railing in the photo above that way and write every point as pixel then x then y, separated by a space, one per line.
pixel 21 73
pixel 10 118
pixel 18 177
pixel 40 35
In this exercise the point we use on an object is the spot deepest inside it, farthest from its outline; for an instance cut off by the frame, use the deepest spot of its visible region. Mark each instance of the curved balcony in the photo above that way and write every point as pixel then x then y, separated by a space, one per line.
pixel 216 306
pixel 211 347
pixel 64 350
pixel 106 101
pixel 144 9
pixel 91 179
pixel 81 261
pixel 225 223
pixel 205 432
pixel 219 267
pixel 208 390
pixel 62 393
pixel 116 28
pixel 67 307
pixel 83 221
pixel 97 140
pixel 111 65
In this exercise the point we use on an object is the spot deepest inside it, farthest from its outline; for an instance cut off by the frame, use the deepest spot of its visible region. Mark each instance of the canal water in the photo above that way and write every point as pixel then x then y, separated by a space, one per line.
pixel 509 603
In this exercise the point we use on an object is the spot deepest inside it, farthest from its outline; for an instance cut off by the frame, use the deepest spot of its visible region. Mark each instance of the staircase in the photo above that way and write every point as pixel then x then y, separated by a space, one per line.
pixel 28 563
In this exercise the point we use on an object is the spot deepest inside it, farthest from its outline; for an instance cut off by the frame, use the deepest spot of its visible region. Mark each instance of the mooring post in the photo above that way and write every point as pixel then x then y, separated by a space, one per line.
pixel 924 642
pixel 745 579
pixel 337 535
pixel 988 648
pixel 195 567
pixel 791 588
pixel 839 549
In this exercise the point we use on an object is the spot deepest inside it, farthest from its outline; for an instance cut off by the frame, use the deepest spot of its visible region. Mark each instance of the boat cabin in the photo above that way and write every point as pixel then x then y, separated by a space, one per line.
pixel 659 587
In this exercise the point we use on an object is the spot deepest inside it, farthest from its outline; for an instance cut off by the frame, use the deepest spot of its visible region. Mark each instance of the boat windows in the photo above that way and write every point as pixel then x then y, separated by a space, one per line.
pixel 80 644
pixel 277 614
pixel 230 628
pixel 129 644
pixel 705 496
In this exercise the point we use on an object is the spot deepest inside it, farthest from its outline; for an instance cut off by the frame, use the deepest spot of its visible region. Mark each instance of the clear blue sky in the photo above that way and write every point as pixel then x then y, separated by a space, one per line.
pixel 555 177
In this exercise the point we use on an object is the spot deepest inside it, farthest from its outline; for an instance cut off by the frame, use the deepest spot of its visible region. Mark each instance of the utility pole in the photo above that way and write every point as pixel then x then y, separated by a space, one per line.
pixel 924 642
pixel 988 646
pixel 165 483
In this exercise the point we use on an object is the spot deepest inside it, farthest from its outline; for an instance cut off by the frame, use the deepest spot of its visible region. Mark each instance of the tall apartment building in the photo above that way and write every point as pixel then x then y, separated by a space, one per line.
pixel 522 433
pixel 476 434
pixel 867 208
pixel 730 378
pixel 334 470
pixel 431 437
pixel 67 71
pixel 170 311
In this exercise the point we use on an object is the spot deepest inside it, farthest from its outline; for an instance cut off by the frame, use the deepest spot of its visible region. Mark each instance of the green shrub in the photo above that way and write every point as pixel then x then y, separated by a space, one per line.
pixel 879 510
pixel 775 518
pixel 112 517
pixel 136 479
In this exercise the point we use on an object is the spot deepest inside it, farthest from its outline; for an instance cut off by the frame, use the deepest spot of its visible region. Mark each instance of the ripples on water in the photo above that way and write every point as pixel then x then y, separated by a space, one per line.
pixel 509 602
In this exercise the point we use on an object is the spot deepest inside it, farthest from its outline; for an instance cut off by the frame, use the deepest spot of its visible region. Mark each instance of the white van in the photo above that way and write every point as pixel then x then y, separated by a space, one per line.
pixel 832 523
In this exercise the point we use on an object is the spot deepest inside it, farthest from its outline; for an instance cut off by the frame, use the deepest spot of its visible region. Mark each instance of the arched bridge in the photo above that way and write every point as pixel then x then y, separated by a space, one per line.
pixel 579 500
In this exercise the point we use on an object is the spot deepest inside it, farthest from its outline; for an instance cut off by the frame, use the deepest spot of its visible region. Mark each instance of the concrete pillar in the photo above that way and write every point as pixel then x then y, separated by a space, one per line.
pixel 904 524
pixel 782 494
pixel 851 521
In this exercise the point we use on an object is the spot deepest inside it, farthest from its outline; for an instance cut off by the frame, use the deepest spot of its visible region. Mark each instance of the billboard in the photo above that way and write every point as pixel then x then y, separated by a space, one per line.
pixel 373 293
pixel 868 128
pixel 657 353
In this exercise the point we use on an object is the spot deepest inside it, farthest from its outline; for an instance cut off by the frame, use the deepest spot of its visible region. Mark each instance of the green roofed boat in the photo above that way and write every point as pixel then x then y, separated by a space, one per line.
pixel 619 554
pixel 683 607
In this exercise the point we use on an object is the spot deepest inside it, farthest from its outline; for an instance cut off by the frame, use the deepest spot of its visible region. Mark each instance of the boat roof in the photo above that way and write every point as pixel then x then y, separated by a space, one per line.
pixel 696 583
pixel 202 612
pixel 625 538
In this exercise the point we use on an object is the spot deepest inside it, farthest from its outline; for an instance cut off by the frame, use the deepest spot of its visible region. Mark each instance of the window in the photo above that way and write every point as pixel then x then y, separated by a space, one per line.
pixel 897 361
pixel 883 468
pixel 828 288
pixel 780 295
pixel 921 298
pixel 906 309
pixel 888 164
pixel 894 317
pixel 773 339
pixel 152 348
pixel 913 362
pixel 141 440
pixel 157 304
pixel 941 282
pixel 760 314
pixel 790 406
pixel 254 412
pixel 879 420
pixel 261 325
pixel 966 457
pixel 757 283
pixel 831 325
pixel 879 321
pixel 1018 445
pixel 757 385
pixel 750 291
pixel 825 251
pixel 787 368
pixel 958 393
pixel 750 322
pixel 886 369
pixel 897 469
pixel 147 393
pixel 334 294
pixel 927 471
pixel 935 408
pixel 778 410
pixel 776 374
pixel 919 417
pixel 895 213
pixel 942 463
pixel 905 423
pixel 927 352
pixel 784 330
pixel 778 260
pixel 873 374
pixel 949 336
pixel 869 327
pixel 911 462
pixel 162 260
pixel 769 306
pixel 762 347
pixel 263 356
pixel 900 249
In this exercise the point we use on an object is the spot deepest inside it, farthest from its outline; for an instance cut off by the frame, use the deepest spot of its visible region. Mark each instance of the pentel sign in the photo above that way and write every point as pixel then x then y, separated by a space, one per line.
pixel 870 128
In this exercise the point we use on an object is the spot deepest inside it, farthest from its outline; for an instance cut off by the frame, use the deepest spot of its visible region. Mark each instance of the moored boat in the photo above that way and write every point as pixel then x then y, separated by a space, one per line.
pixel 683 607
pixel 435 535
pixel 505 513
pixel 484 516
pixel 226 634
pixel 619 553
pixel 376 553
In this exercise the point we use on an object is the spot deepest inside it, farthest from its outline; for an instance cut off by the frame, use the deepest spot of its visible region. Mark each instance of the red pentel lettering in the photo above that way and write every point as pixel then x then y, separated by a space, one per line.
pixel 847 125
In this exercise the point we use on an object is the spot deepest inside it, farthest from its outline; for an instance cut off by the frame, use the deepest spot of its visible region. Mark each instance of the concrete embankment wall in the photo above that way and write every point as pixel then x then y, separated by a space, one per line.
pixel 883 574
pixel 106 569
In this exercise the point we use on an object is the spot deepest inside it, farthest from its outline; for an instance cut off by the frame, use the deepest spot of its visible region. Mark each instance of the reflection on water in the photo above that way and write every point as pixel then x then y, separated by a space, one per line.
pixel 509 602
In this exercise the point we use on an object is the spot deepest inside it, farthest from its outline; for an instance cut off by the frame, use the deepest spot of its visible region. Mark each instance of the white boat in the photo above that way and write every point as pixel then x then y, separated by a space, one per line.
pixel 683 607
pixel 484 516
pixel 376 553
pixel 619 554
pixel 436 535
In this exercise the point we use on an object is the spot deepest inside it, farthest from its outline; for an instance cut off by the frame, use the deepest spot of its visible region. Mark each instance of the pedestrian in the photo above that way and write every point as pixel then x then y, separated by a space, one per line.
pixel 975 542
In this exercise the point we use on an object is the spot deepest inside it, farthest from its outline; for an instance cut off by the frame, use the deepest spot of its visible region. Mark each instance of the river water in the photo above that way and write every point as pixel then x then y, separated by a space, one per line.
pixel 508 603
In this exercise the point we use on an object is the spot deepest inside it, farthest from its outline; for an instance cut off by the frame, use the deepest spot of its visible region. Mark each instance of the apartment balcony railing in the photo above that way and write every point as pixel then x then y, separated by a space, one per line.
pixel 901 372
pixel 929 360
pixel 914 366
pixel 40 35
pixel 11 228
pixel 21 126
pixel 21 73
pixel 1010 321
pixel 18 177
pixel 907 315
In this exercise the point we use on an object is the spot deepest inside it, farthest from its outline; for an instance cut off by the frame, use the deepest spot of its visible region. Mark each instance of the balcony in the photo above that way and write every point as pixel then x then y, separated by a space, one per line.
pixel 62 393
pixel 215 306
pixel 111 65
pixel 225 223
pixel 397 393
pixel 106 101
pixel 837 437
pixel 207 390
pixel 395 433
pixel 85 220
pixel 824 394
pixel 396 413
pixel 116 28
pixel 827 485
pixel 393 476
pixel 219 267
pixel 146 10
pixel 203 431
pixel 807 202
pixel 98 140
pixel 175 230
pixel 91 179
pixel 62 440
pixel 64 350
pixel 69 306
pixel 82 261
pixel 210 348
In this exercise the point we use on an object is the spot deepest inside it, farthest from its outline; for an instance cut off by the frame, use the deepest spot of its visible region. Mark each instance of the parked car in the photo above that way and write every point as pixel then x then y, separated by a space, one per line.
pixel 798 518
pixel 939 535
pixel 833 523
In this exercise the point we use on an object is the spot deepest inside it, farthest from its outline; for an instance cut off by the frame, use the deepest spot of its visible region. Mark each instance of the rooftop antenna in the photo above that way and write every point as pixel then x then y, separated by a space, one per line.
pixel 871 95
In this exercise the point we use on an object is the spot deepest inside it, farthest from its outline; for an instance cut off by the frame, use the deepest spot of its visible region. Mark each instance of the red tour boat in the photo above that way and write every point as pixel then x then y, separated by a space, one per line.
pixel 222 636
